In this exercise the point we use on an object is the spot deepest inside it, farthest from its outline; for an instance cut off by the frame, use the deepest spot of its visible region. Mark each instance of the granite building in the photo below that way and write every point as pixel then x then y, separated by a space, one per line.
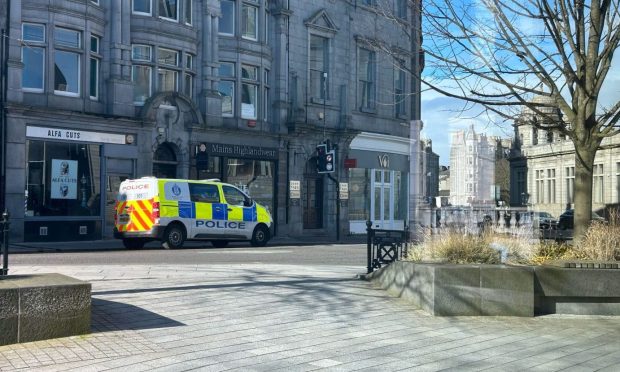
pixel 97 91
pixel 542 168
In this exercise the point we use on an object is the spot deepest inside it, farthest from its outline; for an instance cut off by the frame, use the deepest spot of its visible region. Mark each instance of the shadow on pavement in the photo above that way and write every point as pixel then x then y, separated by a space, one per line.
pixel 109 316
pixel 254 283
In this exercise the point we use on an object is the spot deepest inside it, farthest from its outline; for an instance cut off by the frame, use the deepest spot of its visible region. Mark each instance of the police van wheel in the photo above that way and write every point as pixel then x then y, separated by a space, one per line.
pixel 133 243
pixel 174 237
pixel 260 236
pixel 219 243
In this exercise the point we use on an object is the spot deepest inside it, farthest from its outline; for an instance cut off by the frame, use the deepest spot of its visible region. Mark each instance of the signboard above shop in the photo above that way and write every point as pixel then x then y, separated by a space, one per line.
pixel 242 151
pixel 78 135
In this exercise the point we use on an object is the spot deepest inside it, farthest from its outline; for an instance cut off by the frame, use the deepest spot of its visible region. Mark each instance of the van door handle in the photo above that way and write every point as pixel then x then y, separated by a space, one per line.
pixel 230 209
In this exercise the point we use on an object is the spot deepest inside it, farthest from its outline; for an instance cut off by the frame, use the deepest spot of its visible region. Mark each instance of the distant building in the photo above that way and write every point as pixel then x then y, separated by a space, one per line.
pixel 431 170
pixel 444 184
pixel 472 168
pixel 542 169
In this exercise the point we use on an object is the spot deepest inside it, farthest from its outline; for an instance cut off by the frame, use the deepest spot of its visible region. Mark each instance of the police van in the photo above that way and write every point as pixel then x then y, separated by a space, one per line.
pixel 176 210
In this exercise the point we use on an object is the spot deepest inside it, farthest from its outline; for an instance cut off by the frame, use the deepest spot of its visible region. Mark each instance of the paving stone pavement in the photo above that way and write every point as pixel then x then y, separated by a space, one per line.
pixel 296 318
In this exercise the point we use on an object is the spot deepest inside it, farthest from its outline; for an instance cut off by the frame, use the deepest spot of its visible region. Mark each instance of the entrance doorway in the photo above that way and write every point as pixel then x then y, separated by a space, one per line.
pixel 312 197
pixel 384 195
pixel 165 162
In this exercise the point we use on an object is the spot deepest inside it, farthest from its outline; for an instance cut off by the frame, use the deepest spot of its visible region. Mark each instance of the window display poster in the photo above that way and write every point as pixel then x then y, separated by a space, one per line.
pixel 64 179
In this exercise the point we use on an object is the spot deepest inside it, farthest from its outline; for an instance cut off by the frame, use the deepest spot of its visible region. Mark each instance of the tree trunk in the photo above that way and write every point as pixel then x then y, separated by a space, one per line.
pixel 584 162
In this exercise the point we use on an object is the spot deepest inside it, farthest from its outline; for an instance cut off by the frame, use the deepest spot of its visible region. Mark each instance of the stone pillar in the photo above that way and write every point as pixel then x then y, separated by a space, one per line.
pixel 210 101
pixel 281 71
pixel 120 87
pixel 415 178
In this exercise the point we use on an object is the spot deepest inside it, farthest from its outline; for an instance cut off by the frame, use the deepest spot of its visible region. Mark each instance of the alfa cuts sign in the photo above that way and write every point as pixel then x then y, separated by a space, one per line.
pixel 75 135
pixel 64 179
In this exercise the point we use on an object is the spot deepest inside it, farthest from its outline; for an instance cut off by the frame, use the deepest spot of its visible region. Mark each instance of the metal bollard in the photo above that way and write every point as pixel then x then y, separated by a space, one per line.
pixel 5 243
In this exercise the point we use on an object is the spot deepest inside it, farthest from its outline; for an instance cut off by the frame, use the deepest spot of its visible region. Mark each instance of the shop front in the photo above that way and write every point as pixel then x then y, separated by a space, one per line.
pixel 378 172
pixel 252 169
pixel 72 178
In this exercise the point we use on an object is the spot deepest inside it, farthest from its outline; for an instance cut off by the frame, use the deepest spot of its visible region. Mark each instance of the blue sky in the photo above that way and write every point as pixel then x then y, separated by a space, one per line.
pixel 443 115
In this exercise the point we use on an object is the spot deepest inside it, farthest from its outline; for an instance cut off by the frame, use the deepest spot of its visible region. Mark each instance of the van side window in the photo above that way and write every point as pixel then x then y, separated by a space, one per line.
pixel 204 193
pixel 235 197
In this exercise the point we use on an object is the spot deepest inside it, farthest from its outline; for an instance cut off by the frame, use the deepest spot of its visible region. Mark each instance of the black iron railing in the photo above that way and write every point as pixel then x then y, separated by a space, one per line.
pixel 4 229
pixel 384 246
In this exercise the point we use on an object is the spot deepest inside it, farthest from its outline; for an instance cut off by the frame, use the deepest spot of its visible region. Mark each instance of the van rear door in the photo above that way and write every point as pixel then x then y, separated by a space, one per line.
pixel 135 202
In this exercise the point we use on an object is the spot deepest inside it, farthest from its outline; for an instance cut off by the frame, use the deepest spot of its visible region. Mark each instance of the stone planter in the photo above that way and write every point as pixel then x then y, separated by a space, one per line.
pixel 453 290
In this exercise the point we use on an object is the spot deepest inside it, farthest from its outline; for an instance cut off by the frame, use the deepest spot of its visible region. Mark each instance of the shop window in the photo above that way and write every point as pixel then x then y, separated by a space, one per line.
pixel 359 196
pixel 254 177
pixel 63 179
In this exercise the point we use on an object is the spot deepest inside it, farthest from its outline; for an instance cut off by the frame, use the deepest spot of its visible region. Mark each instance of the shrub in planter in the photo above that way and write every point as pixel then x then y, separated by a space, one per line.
pixel 602 240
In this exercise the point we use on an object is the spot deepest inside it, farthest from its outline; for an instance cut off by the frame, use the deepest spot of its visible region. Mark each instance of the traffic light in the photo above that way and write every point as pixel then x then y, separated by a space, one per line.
pixel 325 160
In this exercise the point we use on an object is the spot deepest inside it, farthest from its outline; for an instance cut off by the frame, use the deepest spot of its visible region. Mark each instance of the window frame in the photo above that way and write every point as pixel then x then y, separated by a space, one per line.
pixel 233 16
pixel 150 82
pixel 95 55
pixel 569 176
pixel 368 105
pixel 77 54
pixel 598 184
pixel 244 6
pixel 41 42
pixel 175 75
pixel 324 83
pixel 253 84
pixel 32 45
pixel 134 11
pixel 188 4
pixel 161 62
pixel 400 99
pixel 150 49
pixel 162 2
pixel 189 86
pixel 231 79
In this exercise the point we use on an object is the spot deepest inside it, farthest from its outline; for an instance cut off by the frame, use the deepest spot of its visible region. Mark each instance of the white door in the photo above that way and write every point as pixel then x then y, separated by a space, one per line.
pixel 382 199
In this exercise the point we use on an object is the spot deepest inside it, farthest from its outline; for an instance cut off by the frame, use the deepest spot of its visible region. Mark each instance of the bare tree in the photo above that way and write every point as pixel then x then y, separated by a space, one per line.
pixel 503 54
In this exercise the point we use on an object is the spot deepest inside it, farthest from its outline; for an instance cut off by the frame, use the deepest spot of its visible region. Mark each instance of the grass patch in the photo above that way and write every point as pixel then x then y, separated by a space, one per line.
pixel 601 243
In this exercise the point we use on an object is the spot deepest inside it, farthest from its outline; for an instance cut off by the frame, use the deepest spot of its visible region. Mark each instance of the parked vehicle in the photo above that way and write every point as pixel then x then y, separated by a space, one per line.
pixel 566 220
pixel 173 211
pixel 544 220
